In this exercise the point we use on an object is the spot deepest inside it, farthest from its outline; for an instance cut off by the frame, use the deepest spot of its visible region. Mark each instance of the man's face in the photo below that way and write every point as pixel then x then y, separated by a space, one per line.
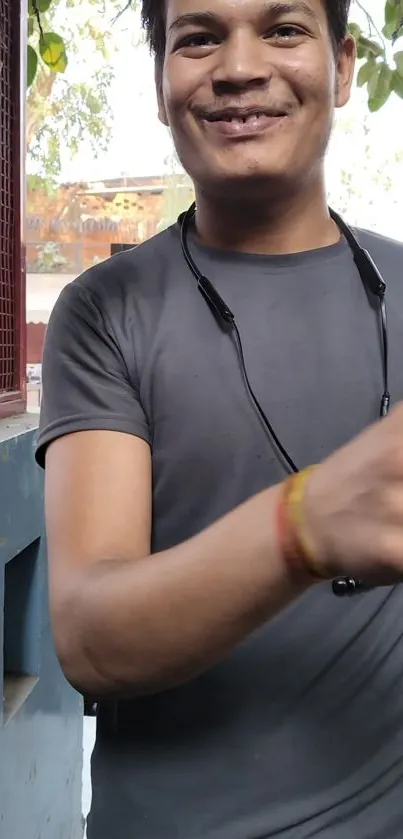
pixel 248 89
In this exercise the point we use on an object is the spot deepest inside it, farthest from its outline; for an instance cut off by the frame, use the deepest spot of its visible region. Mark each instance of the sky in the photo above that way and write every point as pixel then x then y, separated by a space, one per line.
pixel 362 150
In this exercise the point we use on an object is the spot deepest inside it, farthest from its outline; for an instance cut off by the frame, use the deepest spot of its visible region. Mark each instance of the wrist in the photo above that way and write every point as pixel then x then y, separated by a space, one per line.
pixel 294 538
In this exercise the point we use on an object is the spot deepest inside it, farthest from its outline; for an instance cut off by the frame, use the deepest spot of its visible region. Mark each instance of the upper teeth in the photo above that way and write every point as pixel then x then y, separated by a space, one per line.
pixel 241 118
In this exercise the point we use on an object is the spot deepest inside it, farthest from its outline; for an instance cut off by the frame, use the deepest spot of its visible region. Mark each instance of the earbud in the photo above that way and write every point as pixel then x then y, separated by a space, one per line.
pixel 385 405
pixel 346 586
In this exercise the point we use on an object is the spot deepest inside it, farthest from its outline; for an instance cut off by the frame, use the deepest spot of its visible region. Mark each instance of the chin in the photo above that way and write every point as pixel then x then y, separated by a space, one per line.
pixel 247 182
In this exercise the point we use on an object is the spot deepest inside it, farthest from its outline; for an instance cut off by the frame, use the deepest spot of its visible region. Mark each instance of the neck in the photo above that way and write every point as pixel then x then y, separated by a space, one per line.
pixel 267 226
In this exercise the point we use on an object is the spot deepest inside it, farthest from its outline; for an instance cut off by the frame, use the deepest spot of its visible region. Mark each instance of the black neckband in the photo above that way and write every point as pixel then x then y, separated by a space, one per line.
pixel 373 283
pixel 370 275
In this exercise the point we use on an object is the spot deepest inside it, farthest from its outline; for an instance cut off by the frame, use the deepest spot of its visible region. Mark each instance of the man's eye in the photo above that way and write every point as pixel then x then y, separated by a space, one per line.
pixel 285 32
pixel 201 39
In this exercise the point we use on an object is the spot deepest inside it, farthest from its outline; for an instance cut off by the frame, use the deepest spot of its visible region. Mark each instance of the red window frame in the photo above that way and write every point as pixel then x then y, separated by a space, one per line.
pixel 13 397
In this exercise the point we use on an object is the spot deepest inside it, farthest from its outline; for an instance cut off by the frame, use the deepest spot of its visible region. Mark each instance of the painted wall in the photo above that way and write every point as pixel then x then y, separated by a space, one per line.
pixel 40 715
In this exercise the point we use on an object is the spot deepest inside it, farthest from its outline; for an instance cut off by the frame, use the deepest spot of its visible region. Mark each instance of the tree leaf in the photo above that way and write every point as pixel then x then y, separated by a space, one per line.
pixel 397 84
pixel 93 103
pixel 361 49
pixel 43 5
pixel 370 47
pixel 389 30
pixel 32 65
pixel 380 87
pixel 393 13
pixel 53 52
pixel 355 30
pixel 365 72
pixel 398 56
pixel 373 81
pixel 377 102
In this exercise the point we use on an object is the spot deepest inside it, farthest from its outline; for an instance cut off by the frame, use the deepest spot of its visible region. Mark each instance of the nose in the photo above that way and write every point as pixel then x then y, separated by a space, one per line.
pixel 242 63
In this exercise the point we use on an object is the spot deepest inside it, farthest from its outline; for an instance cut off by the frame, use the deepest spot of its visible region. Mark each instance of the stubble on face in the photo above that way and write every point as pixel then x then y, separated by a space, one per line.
pixel 248 90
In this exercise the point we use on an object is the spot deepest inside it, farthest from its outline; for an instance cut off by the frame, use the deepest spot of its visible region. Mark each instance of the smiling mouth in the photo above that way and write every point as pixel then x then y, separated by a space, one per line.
pixel 243 116
pixel 240 124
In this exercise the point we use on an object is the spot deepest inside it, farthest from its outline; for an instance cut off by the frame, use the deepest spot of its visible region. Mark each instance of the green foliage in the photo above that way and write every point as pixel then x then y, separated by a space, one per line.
pixel 69 80
pixel 66 109
pixel 45 46
pixel 32 65
pixel 49 259
pixel 381 70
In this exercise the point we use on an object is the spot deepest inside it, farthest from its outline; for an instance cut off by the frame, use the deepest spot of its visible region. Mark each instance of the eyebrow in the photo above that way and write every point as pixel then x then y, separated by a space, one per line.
pixel 269 9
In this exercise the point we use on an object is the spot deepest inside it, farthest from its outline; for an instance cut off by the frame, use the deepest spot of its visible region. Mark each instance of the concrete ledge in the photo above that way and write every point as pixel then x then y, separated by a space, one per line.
pixel 41 717
pixel 14 426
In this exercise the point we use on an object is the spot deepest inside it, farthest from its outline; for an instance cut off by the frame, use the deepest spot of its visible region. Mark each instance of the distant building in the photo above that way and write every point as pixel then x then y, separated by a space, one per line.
pixel 79 225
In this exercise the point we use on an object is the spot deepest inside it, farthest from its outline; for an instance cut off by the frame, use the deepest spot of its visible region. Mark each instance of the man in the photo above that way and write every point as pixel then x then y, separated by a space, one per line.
pixel 238 697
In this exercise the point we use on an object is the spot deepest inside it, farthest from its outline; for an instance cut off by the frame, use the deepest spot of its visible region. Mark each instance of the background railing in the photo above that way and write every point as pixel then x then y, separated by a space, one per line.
pixel 12 286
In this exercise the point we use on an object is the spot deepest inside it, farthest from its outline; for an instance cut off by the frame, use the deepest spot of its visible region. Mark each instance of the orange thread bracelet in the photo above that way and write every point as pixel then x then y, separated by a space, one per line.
pixel 294 539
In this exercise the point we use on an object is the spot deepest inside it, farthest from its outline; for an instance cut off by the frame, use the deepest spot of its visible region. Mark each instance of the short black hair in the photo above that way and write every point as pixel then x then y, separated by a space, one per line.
pixel 153 20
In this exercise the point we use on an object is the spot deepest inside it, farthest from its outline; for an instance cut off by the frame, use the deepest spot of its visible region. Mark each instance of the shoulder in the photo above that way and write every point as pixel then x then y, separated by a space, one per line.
pixel 128 272
pixel 126 289
pixel 116 307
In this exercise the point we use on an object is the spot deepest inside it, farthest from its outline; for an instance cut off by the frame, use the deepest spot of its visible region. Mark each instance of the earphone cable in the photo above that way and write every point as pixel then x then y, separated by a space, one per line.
pixel 259 410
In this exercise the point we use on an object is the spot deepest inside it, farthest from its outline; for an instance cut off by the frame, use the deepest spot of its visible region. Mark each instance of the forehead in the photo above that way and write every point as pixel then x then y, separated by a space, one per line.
pixel 245 10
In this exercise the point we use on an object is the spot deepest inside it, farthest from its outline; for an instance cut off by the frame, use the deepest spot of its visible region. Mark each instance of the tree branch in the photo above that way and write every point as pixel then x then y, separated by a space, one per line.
pixel 128 5
pixel 38 19
pixel 372 25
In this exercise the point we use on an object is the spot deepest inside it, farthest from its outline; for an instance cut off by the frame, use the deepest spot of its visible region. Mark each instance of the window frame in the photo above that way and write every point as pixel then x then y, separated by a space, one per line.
pixel 14 401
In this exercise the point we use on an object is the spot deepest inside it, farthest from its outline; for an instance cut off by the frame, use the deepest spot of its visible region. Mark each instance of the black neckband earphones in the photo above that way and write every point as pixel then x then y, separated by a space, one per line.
pixel 372 282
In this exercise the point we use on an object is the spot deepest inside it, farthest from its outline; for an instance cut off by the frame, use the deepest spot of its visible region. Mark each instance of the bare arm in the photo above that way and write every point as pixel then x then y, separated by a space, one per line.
pixel 131 622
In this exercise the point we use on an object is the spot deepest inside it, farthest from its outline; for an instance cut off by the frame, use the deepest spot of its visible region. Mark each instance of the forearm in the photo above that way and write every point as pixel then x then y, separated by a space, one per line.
pixel 145 625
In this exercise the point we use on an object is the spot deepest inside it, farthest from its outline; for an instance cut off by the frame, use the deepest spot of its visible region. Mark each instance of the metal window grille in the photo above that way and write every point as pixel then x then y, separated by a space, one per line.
pixel 12 287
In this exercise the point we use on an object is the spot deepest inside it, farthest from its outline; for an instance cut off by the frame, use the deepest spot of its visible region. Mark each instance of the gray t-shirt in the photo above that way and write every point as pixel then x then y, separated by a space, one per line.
pixel 299 732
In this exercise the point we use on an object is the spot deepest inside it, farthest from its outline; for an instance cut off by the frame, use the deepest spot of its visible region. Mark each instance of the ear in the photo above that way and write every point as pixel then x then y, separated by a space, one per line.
pixel 162 114
pixel 345 68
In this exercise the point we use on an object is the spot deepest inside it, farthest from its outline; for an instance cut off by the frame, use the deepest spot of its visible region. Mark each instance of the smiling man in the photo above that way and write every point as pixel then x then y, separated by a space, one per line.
pixel 191 563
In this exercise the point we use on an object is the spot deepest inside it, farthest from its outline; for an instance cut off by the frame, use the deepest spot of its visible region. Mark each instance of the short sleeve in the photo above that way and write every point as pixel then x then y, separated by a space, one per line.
pixel 86 384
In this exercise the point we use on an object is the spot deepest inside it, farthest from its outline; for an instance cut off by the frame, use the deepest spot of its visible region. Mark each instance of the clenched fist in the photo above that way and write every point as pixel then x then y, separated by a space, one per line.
pixel 354 505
